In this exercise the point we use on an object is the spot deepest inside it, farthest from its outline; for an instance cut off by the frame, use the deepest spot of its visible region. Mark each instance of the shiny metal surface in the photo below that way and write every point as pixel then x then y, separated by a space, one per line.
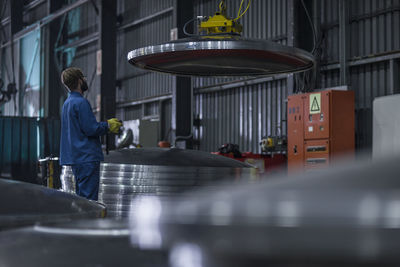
pixel 118 187
pixel 79 243
pixel 170 157
pixel 67 180
pixel 221 57
pixel 347 216
pixel 27 204
pixel 137 174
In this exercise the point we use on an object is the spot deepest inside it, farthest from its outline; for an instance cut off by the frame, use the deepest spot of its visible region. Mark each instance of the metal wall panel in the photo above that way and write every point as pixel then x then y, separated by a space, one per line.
pixel 373 27
pixel 368 82
pixel 330 28
pixel 148 30
pixel 22 142
pixel 36 13
pixel 5 6
pixel 133 113
pixel 166 118
pixel 241 115
pixel 134 10
pixel 88 19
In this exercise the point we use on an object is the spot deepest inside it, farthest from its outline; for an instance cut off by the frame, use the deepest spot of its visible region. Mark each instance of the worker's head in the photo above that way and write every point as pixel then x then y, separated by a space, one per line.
pixel 74 80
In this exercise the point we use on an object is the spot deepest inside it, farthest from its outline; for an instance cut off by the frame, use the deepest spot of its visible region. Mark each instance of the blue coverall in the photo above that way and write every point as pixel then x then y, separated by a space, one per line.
pixel 80 145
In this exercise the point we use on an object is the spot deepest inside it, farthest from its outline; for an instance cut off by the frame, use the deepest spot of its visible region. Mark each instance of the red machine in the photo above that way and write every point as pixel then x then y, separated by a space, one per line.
pixel 266 164
pixel 320 128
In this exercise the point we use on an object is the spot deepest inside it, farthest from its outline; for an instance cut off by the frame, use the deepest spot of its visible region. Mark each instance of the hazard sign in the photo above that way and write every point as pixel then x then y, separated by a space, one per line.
pixel 315 103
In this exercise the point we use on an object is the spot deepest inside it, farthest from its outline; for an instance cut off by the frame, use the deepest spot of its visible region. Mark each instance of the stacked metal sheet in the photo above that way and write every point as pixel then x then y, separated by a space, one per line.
pixel 129 173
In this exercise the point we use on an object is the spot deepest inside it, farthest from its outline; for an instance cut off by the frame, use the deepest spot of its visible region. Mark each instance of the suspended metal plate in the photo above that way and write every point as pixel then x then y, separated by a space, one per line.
pixel 221 57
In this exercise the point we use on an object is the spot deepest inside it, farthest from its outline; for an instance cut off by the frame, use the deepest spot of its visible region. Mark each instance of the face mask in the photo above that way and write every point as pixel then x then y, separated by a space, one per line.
pixel 84 86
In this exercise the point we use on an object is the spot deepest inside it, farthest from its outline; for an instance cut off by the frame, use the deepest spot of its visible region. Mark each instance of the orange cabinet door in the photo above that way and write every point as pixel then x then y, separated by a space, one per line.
pixel 316 154
pixel 295 132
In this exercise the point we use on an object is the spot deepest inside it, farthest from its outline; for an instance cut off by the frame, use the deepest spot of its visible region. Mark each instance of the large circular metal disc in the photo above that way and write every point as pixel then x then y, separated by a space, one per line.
pixel 170 157
pixel 27 204
pixel 221 57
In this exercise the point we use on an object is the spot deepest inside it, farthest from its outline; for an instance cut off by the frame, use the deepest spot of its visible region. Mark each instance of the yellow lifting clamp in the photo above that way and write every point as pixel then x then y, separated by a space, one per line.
pixel 221 24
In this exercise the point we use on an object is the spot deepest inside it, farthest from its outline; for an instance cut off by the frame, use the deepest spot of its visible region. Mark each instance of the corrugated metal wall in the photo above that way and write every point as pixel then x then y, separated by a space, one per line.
pixel 19 147
pixel 373 27
pixel 241 115
pixel 374 32
pixel 166 117
pixel 145 29
pixel 22 142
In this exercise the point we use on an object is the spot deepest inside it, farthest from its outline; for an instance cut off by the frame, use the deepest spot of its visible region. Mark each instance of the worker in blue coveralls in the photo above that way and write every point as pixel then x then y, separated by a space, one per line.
pixel 80 145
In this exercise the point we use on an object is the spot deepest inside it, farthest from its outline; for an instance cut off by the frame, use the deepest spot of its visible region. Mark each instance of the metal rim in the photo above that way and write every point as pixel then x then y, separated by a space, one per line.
pixel 183 45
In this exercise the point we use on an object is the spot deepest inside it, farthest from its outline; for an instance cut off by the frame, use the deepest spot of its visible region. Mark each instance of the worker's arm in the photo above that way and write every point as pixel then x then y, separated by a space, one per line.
pixel 88 122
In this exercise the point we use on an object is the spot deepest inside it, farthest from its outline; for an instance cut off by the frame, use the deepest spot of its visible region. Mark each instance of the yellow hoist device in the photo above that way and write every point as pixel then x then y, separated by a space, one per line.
pixel 220 24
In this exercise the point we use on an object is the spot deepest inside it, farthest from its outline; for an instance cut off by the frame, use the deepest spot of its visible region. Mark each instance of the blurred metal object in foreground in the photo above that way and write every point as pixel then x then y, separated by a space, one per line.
pixel 233 56
pixel 129 173
pixel 79 243
pixel 27 204
pixel 347 216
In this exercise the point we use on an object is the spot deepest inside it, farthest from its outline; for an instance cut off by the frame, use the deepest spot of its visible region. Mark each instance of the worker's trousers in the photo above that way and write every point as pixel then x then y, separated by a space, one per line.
pixel 87 176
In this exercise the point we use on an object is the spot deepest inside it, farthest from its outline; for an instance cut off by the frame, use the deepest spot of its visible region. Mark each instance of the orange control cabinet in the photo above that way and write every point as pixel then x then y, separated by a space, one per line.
pixel 320 128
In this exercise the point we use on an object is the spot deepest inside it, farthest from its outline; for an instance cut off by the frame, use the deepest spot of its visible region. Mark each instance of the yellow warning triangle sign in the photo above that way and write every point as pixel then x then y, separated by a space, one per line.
pixel 315 106
pixel 315 103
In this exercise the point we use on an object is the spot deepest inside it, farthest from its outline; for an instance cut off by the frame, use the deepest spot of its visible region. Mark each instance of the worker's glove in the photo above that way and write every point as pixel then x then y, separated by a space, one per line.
pixel 114 125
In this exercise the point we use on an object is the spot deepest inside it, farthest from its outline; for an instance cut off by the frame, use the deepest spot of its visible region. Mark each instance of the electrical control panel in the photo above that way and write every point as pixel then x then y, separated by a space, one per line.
pixel 320 128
